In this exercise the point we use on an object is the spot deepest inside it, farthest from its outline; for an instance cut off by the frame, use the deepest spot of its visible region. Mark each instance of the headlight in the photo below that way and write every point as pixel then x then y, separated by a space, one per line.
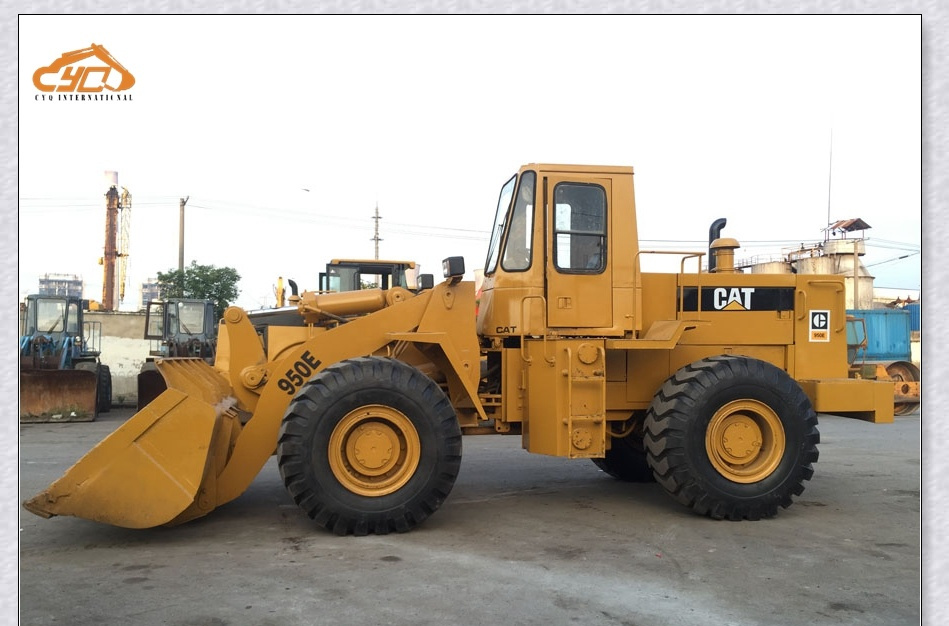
pixel 453 267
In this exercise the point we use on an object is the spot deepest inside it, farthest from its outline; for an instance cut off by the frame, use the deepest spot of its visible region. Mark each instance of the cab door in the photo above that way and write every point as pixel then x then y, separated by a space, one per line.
pixel 578 268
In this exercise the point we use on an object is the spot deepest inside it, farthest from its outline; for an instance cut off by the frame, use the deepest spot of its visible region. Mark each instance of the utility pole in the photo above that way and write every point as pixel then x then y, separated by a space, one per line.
pixel 181 240
pixel 376 236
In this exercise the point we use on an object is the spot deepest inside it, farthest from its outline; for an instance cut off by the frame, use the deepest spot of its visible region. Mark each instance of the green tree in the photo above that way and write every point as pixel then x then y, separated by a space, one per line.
pixel 206 282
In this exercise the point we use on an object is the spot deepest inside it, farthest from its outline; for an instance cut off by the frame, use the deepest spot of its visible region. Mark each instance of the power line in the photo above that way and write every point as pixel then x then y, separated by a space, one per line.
pixel 894 245
pixel 49 204
pixel 899 258
pixel 349 222
pixel 52 208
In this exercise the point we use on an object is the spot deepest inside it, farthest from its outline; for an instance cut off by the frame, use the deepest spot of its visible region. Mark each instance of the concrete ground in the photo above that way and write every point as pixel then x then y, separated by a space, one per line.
pixel 522 539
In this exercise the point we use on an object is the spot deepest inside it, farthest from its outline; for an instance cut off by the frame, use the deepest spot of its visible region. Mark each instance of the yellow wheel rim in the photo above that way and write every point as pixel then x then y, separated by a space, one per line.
pixel 900 374
pixel 374 450
pixel 745 441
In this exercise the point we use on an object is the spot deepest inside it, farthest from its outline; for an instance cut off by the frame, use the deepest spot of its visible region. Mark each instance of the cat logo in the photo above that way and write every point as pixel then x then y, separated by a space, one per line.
pixel 820 325
pixel 732 298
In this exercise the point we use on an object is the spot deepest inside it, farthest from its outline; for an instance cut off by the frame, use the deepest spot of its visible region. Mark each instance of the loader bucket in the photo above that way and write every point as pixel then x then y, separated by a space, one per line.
pixel 157 468
pixel 57 395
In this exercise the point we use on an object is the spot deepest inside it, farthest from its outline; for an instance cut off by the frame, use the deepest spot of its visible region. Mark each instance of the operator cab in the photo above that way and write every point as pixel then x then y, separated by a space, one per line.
pixel 51 315
pixel 180 327
pixel 356 274
pixel 550 263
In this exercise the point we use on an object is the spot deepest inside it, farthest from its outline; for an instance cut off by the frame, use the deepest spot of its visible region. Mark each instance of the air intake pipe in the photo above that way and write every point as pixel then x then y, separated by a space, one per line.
pixel 714 232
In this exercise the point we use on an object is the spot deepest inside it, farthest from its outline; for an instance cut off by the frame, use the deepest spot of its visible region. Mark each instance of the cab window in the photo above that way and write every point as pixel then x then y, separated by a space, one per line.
pixel 50 315
pixel 191 317
pixel 517 249
pixel 154 322
pixel 72 319
pixel 504 201
pixel 579 228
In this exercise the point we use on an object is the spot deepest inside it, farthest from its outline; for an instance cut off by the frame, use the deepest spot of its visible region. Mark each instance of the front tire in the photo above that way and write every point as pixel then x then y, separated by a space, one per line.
pixel 103 384
pixel 104 389
pixel 369 445
pixel 732 437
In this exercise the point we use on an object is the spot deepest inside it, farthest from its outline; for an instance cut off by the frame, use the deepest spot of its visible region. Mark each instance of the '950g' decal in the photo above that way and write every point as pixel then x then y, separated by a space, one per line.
pixel 298 373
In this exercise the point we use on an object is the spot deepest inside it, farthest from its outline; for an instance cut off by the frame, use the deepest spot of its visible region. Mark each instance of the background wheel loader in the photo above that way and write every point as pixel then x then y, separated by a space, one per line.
pixel 353 274
pixel 357 274
pixel 176 327
pixel 61 377
pixel 708 381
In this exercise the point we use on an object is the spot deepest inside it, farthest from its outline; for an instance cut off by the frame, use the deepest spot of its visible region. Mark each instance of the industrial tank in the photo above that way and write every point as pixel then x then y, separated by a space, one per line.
pixel 771 267
pixel 839 257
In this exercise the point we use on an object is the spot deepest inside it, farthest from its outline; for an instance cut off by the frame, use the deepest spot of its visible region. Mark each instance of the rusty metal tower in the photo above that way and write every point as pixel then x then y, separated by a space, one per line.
pixel 117 221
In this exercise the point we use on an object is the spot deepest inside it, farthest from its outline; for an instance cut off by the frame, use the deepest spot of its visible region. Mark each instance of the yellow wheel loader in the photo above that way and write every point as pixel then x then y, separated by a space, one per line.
pixel 707 380
pixel 357 274
pixel 353 274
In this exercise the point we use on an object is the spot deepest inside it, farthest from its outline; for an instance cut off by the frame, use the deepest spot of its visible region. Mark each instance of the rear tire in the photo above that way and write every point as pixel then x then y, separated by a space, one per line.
pixel 369 445
pixel 732 437
pixel 626 461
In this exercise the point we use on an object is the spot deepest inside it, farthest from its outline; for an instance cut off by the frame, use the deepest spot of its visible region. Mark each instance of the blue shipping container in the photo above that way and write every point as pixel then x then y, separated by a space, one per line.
pixel 913 316
pixel 888 334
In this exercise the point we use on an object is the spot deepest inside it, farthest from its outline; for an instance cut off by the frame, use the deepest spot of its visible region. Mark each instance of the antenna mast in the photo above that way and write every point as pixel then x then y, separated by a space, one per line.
pixel 830 175
pixel 375 237
pixel 122 254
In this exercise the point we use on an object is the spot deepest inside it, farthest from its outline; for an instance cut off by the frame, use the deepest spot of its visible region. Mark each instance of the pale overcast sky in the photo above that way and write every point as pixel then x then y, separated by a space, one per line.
pixel 426 117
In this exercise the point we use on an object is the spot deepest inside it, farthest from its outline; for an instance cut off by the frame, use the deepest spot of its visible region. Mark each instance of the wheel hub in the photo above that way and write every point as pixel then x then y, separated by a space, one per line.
pixel 745 441
pixel 374 450
pixel 741 439
pixel 371 448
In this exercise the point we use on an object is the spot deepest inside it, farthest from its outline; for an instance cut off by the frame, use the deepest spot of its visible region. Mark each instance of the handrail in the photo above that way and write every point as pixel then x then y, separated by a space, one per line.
pixel 637 279
pixel 838 287
pixel 569 403
pixel 803 303
pixel 549 359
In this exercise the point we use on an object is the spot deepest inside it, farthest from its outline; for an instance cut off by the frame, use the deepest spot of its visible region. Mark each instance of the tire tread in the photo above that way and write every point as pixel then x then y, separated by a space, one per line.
pixel 668 426
pixel 320 392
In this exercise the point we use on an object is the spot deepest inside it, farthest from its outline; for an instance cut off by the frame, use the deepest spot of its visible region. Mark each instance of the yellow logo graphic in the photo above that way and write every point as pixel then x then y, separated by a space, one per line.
pixel 69 73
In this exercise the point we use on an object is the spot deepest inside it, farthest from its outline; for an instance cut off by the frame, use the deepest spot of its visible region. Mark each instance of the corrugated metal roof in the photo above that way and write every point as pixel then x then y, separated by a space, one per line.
pixel 849 226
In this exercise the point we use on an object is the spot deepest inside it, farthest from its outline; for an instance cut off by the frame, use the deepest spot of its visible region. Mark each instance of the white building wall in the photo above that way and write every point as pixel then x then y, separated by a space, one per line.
pixel 124 349
pixel 125 357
